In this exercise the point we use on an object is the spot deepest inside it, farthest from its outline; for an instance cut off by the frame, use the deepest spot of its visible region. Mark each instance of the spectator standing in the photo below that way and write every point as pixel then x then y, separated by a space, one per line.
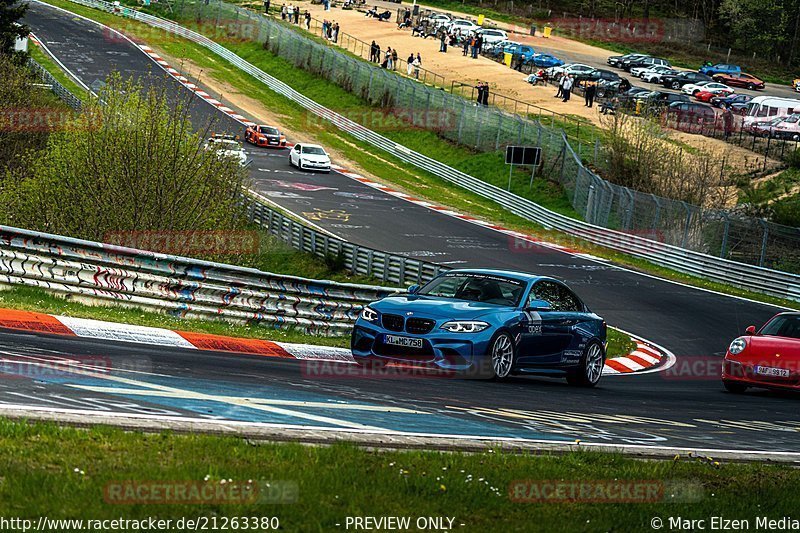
pixel 727 122
pixel 478 45
pixel 283 12
pixel 372 51
pixel 394 59
pixel 327 4
pixel 568 82
pixel 589 90
pixel 417 64
pixel 297 15
pixel 266 6
pixel 325 24
pixel 443 42
pixel 560 91
pixel 410 64
pixel 388 59
pixel 485 100
pixel 466 47
pixel 377 53
pixel 480 93
pixel 335 32
pixel 308 21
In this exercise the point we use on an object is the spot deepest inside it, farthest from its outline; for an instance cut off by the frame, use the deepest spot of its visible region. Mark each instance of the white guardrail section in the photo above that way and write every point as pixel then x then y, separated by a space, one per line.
pixel 179 286
pixel 767 281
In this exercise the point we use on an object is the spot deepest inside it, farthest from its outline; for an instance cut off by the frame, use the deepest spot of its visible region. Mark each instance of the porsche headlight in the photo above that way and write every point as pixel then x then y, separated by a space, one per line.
pixel 465 326
pixel 369 314
pixel 737 346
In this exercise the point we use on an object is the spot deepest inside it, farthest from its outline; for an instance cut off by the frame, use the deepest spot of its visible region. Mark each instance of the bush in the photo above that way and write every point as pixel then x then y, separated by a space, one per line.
pixel 133 162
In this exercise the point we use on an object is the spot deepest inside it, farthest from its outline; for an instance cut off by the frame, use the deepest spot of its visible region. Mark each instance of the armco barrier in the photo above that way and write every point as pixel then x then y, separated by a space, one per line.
pixel 179 286
pixel 767 281
pixel 357 259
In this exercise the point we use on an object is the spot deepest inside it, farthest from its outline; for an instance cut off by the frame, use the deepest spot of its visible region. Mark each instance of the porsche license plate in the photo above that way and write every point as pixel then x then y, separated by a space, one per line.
pixel 772 371
pixel 405 342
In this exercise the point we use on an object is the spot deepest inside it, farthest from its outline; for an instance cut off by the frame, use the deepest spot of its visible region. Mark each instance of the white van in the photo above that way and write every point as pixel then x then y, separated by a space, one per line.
pixel 763 108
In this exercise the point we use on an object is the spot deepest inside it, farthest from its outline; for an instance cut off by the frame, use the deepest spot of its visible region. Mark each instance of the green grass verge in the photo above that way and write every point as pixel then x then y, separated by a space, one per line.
pixel 52 67
pixel 388 168
pixel 67 473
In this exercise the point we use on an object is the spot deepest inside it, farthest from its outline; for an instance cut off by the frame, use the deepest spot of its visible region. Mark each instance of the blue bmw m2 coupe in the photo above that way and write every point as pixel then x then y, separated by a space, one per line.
pixel 493 322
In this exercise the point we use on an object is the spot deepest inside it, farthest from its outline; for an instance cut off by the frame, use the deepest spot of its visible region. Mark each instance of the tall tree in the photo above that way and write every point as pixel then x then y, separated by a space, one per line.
pixel 11 12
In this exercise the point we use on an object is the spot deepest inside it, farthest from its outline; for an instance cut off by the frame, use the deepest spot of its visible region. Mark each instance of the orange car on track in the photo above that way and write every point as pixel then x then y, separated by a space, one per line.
pixel 267 136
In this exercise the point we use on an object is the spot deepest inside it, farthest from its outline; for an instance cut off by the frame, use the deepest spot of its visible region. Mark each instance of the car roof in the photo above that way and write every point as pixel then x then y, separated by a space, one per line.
pixel 514 274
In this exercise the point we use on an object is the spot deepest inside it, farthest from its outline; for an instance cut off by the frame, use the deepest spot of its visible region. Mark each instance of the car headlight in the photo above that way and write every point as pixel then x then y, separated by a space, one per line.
pixel 369 314
pixel 737 346
pixel 465 326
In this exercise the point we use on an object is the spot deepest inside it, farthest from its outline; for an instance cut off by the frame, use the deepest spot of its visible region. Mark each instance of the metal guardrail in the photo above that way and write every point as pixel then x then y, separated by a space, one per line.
pixel 390 268
pixel 62 92
pixel 767 281
pixel 180 286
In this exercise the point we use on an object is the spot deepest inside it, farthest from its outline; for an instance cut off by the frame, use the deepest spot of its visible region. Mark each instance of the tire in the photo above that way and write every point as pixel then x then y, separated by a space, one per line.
pixel 291 163
pixel 502 355
pixel 590 368
pixel 733 387
pixel 751 87
pixel 796 137
pixel 675 85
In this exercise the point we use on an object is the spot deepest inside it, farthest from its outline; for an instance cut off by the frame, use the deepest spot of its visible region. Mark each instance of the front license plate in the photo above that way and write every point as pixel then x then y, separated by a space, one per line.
pixel 772 371
pixel 405 342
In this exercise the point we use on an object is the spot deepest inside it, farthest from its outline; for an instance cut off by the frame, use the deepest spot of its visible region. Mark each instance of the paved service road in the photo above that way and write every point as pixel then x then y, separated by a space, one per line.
pixel 694 324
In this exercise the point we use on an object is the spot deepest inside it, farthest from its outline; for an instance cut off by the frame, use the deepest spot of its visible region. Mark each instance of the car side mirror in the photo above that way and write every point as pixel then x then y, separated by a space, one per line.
pixel 751 330
pixel 538 305
pixel 413 289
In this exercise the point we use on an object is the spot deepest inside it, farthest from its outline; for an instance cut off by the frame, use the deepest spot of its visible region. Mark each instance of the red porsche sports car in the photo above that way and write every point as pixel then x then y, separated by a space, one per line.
pixel 706 96
pixel 767 359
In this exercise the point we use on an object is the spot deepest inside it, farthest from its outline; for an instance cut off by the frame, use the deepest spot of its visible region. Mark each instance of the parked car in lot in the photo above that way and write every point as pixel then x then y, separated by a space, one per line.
pixel 545 61
pixel 676 81
pixel 439 18
pixel 626 64
pixel 740 79
pixel 796 85
pixel 708 86
pixel 609 88
pixel 519 49
pixel 574 69
pixel 263 135
pixel 690 115
pixel 616 61
pixel 655 101
pixel 496 50
pixel 492 36
pixel 719 68
pixel 646 62
pixel 493 322
pixel 734 102
pixel 310 157
pixel 639 72
pixel 769 358
pixel 764 128
pixel 467 27
pixel 788 129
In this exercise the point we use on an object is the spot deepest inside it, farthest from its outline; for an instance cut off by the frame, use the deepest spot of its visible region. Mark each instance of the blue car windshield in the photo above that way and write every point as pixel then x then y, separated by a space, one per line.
pixel 484 288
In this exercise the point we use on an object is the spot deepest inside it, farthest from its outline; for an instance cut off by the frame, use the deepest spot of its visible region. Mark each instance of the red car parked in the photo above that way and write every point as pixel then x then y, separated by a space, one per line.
pixel 706 96
pixel 767 359
pixel 740 79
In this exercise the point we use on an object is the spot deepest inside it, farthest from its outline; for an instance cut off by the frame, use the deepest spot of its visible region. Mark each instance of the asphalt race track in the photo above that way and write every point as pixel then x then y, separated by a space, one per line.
pixel 686 407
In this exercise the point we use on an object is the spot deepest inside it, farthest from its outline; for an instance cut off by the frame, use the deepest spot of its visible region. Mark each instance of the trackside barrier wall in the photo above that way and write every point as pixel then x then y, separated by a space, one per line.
pixel 598 204
pixel 180 286
pixel 62 92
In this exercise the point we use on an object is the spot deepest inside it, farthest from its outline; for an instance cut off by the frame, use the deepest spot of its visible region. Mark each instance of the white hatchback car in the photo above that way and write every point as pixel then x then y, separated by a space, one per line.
pixel 492 36
pixel 654 74
pixel 310 157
